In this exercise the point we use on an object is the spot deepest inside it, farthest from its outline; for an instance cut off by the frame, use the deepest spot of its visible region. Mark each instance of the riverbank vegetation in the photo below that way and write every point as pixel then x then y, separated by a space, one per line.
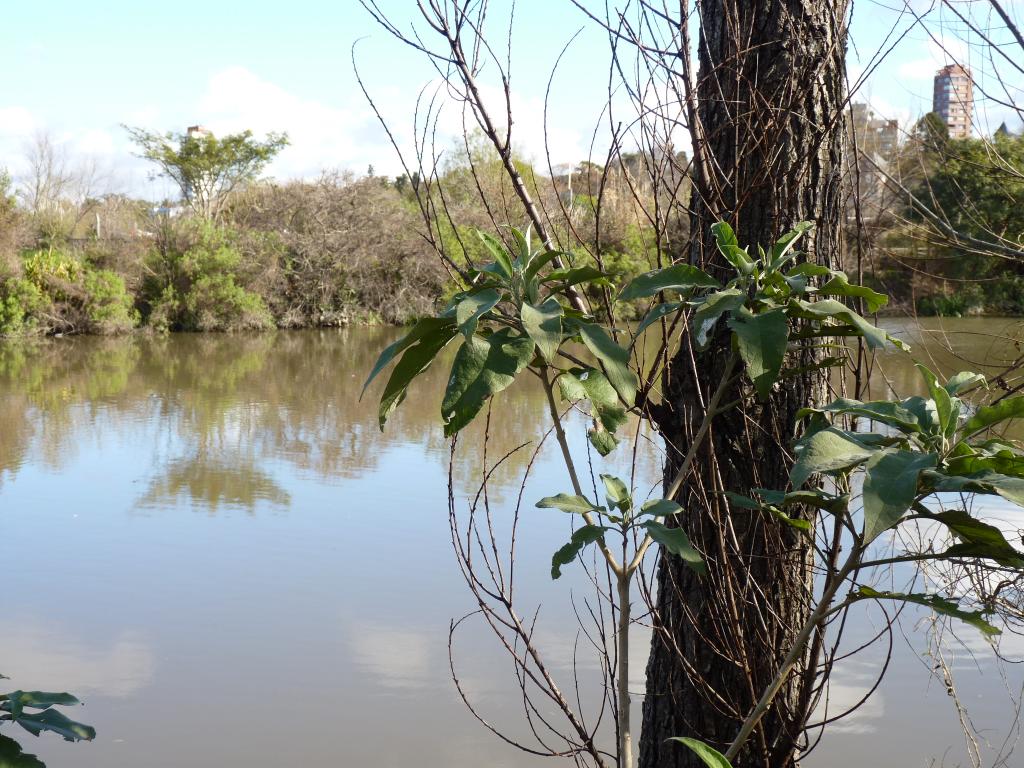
pixel 336 250
pixel 254 254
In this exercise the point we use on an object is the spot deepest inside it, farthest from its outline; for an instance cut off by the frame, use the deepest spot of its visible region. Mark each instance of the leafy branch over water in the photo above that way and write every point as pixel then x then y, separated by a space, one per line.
pixel 783 315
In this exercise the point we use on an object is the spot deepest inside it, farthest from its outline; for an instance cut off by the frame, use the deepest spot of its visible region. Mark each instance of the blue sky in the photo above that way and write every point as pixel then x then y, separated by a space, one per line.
pixel 79 70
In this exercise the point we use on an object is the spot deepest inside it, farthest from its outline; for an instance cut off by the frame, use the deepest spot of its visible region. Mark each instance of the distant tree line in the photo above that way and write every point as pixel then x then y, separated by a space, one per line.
pixel 237 252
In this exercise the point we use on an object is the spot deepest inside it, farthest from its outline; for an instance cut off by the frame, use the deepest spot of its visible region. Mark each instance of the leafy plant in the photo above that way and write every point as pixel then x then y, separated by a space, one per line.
pixel 523 312
pixel 34 711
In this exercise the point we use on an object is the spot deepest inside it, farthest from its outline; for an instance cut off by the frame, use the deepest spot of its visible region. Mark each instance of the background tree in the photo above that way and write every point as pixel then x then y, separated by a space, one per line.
pixel 207 169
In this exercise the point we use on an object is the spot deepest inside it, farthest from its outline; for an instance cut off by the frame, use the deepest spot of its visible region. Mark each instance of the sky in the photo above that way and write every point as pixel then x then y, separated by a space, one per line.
pixel 80 71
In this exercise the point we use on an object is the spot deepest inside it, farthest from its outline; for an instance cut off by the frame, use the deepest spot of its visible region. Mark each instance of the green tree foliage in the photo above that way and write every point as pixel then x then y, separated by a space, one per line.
pixel 58 292
pixel 196 288
pixel 977 187
pixel 205 168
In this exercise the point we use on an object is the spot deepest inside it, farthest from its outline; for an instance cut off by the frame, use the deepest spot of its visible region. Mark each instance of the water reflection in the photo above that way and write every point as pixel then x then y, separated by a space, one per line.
pixel 318 569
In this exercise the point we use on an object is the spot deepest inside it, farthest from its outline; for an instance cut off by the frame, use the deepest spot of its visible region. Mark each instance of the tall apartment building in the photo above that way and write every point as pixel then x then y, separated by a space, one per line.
pixel 953 99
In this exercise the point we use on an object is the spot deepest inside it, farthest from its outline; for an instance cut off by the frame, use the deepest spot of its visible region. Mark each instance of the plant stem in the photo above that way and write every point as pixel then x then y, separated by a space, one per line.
pixel 622 682
pixel 821 611
pixel 571 466
pixel 684 469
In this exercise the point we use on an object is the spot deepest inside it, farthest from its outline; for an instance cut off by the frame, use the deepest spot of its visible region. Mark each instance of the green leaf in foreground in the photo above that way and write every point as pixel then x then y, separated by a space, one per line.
pixel 12 756
pixel 885 411
pixel 660 508
pixel 710 756
pixel 613 357
pixel 711 309
pixel 937 603
pixel 16 701
pixel 827 450
pixel 964 380
pixel 428 326
pixel 618 493
pixel 544 326
pixel 416 359
pixel 604 442
pixel 873 336
pixel 729 247
pixel 678 543
pixel 990 415
pixel 592 385
pixel 568 503
pixel 762 341
pixel 472 308
pixel 978 539
pixel 482 368
pixel 890 485
pixel 55 722
pixel 678 278
pixel 840 285
pixel 659 311
pixel 588 534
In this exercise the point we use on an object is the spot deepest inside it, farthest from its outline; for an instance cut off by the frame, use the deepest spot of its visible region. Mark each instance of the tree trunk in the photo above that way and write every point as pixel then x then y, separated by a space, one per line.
pixel 768 153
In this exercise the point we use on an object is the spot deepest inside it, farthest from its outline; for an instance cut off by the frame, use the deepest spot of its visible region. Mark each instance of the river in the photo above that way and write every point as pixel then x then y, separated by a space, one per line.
pixel 209 541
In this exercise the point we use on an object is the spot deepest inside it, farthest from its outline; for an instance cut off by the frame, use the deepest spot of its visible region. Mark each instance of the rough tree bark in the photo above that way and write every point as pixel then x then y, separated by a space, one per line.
pixel 768 144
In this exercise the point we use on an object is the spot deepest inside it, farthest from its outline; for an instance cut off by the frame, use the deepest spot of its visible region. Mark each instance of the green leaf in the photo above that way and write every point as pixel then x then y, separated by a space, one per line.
pixel 588 534
pixel 827 450
pixel 945 408
pixel 592 385
pixel 618 493
pixel 741 501
pixel 502 260
pixel 544 326
pixel 1010 488
pixel 54 721
pixel 925 411
pixel 614 358
pixel 964 380
pixel 890 486
pixel 678 278
pixel 576 275
pixel 659 311
pixel 12 756
pixel 840 285
pixel 762 341
pixel 604 442
pixel 1003 463
pixel 15 701
pixel 415 360
pixel 885 411
pixel 873 336
pixel 428 326
pixel 937 603
pixel 990 415
pixel 660 508
pixel 569 503
pixel 710 756
pixel 523 241
pixel 780 252
pixel 729 247
pixel 812 497
pixel 979 539
pixel 482 368
pixel 472 308
pixel 677 542
pixel 538 262
pixel 711 309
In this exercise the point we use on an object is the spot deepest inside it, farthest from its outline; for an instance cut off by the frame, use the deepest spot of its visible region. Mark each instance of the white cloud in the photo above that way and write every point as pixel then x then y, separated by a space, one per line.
pixel 933 54
pixel 321 135
pixel 39 658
